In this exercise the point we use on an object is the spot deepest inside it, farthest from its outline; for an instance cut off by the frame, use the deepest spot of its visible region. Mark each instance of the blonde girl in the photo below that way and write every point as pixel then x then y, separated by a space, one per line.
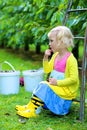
pixel 57 93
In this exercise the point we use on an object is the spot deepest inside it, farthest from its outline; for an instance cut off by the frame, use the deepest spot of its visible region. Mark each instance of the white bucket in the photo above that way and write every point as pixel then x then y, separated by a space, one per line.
pixel 32 79
pixel 9 82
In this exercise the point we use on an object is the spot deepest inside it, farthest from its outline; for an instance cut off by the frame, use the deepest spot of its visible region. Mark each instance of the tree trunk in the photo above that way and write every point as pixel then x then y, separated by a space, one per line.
pixel 26 47
pixel 75 51
pixel 2 44
pixel 38 48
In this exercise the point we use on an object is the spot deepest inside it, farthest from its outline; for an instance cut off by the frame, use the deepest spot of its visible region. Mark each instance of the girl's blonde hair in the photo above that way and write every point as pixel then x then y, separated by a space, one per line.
pixel 63 35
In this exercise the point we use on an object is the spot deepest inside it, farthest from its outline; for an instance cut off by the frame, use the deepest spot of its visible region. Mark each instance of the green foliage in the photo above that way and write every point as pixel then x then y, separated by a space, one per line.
pixel 30 21
pixel 23 20
pixel 78 20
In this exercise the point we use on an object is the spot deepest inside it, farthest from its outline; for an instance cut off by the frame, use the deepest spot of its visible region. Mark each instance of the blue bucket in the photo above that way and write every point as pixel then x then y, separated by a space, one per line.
pixel 32 78
pixel 9 81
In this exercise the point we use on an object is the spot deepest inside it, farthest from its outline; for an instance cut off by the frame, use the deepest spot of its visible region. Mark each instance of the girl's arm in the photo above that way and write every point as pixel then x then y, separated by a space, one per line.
pixel 48 65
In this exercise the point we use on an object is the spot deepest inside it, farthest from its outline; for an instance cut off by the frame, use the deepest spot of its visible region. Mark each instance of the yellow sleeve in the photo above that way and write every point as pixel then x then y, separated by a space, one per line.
pixel 48 65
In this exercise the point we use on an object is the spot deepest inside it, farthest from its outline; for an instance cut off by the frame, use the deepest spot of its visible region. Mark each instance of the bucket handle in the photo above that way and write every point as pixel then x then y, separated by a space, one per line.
pixel 6 62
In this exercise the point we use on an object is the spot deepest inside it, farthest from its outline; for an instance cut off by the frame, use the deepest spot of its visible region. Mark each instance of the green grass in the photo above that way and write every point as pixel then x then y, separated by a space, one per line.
pixel 20 60
pixel 9 119
pixel 46 120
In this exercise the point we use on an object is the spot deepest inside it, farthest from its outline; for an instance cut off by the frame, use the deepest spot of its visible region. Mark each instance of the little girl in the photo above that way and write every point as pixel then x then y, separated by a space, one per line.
pixel 56 93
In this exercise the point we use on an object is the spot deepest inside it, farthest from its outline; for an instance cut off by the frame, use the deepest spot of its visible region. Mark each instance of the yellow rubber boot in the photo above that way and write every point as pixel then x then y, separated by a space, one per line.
pixel 33 108
pixel 28 106
pixel 22 108
pixel 28 113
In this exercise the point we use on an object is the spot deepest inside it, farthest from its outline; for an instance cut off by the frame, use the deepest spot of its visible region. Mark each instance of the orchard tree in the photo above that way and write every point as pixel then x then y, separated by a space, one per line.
pixel 25 22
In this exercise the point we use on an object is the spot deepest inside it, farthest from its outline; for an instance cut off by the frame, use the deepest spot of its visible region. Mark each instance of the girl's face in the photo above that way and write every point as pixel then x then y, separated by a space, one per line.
pixel 53 42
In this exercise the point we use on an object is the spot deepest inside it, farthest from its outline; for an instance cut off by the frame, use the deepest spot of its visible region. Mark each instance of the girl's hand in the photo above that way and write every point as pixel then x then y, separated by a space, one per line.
pixel 53 81
pixel 47 54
